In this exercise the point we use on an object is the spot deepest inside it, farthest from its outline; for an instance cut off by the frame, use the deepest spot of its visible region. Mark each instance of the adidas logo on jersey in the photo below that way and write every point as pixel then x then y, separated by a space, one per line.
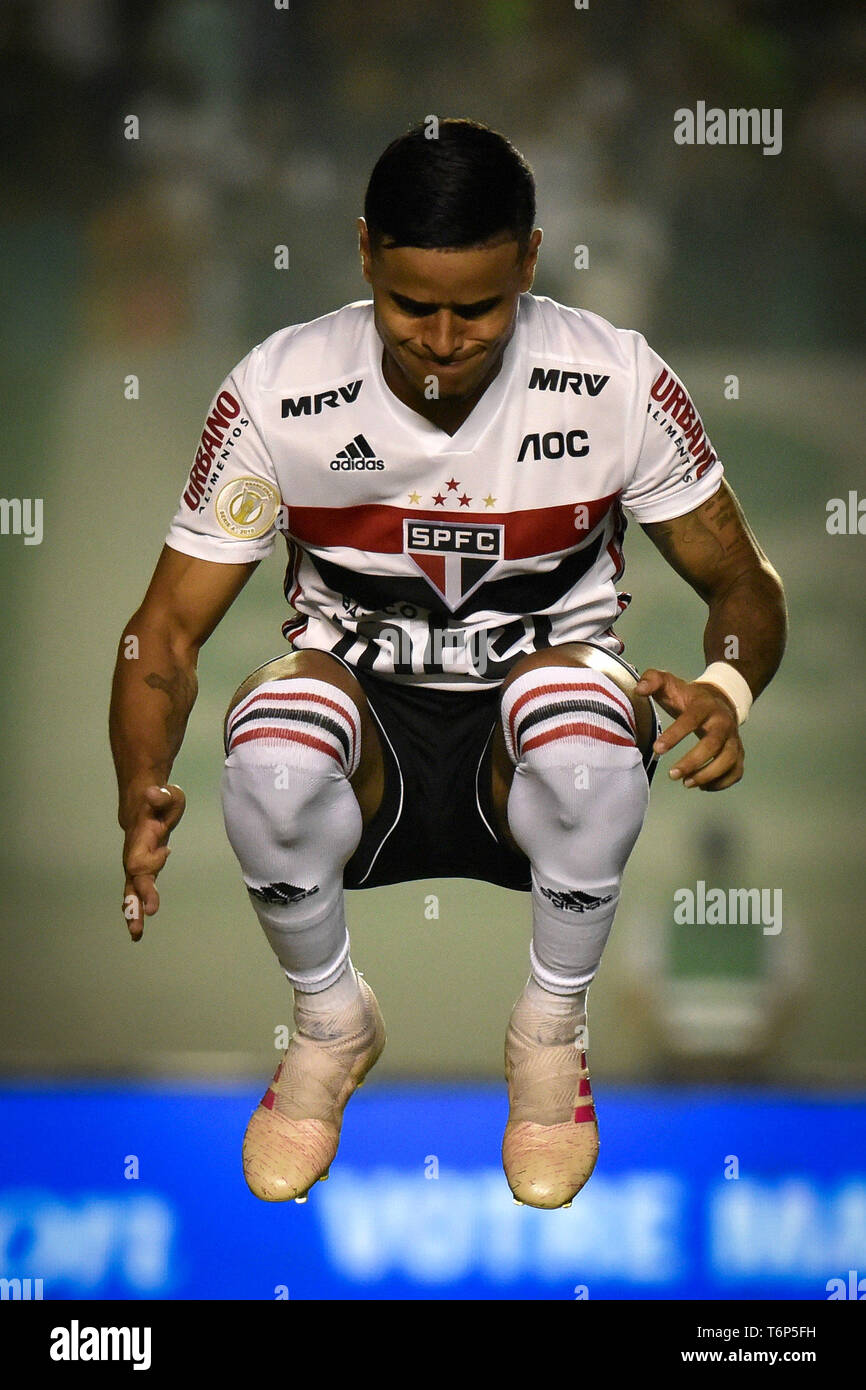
pixel 357 454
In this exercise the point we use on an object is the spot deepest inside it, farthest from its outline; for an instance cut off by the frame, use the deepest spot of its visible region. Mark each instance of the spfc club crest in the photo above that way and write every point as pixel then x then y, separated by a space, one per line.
pixel 454 557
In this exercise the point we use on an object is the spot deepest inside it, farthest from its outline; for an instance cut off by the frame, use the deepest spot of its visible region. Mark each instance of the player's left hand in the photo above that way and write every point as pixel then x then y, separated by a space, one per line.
pixel 716 761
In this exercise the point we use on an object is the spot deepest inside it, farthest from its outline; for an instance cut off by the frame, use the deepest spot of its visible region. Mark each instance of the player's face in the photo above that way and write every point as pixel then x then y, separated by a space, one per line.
pixel 447 315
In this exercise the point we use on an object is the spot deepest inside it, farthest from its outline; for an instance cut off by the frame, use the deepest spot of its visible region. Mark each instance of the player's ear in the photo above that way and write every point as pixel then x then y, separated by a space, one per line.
pixel 364 248
pixel 530 260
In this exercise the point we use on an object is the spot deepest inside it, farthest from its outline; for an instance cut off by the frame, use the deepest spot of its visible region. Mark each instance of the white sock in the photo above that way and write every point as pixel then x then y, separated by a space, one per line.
pixel 576 806
pixel 293 820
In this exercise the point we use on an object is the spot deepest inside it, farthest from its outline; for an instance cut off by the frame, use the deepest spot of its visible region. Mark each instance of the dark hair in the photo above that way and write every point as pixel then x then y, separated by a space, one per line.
pixel 464 186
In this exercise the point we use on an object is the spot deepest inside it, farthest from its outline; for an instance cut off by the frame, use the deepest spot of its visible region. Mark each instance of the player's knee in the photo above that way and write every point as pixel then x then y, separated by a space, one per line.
pixel 291 747
pixel 612 681
pixel 570 733
pixel 550 714
pixel 301 724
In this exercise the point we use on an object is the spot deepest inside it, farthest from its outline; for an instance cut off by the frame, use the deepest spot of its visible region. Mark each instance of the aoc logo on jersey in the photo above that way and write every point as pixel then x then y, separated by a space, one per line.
pixel 454 557
pixel 246 507
pixel 555 445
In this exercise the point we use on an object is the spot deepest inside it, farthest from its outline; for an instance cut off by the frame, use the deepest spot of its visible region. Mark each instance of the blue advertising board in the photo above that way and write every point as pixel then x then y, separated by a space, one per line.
pixel 135 1191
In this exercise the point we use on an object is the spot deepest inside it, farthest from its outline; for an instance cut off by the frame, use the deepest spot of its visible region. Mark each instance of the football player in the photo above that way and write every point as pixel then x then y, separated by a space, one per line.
pixel 450 464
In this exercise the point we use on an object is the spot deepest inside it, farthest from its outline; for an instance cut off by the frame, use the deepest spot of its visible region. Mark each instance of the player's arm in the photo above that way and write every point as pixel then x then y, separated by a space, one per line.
pixel 715 551
pixel 154 689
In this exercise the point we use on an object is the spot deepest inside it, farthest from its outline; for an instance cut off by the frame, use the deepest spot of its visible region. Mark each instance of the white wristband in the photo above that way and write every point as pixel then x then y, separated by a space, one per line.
pixel 727 679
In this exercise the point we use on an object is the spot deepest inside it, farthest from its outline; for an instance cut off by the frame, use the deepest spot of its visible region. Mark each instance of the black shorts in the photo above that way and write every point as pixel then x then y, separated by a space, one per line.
pixel 436 819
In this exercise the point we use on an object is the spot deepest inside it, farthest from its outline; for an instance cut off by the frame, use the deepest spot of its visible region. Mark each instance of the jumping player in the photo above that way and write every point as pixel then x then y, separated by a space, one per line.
pixel 449 464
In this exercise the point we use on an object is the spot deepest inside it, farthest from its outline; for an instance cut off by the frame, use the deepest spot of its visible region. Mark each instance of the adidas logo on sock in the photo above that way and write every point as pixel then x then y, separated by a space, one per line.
pixel 281 894
pixel 356 454
pixel 575 901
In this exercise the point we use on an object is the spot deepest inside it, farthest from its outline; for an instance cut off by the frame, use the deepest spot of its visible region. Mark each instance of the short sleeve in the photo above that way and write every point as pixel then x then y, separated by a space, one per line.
pixel 677 467
pixel 229 510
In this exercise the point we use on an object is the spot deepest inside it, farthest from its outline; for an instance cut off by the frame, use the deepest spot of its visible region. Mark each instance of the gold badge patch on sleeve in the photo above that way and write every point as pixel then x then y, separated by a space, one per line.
pixel 246 507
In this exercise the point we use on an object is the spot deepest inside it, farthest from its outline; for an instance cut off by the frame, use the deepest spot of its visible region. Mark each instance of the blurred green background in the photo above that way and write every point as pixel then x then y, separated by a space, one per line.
pixel 155 257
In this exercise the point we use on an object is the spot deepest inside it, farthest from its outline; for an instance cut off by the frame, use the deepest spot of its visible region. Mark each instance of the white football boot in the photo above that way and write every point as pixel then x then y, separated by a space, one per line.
pixel 293 1136
pixel 551 1140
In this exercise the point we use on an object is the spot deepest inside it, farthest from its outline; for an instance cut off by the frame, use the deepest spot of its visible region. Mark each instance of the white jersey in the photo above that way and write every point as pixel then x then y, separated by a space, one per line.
pixel 434 558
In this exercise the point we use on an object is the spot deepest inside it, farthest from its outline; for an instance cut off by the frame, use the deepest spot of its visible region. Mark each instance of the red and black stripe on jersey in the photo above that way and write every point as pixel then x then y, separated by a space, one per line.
pixel 516 593
pixel 528 535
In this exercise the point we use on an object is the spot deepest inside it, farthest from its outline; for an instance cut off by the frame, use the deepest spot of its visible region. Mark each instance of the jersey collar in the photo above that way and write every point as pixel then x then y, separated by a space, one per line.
pixel 479 419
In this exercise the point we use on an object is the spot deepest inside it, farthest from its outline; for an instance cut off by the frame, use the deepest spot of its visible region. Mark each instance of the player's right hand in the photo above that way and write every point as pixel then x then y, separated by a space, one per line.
pixel 145 851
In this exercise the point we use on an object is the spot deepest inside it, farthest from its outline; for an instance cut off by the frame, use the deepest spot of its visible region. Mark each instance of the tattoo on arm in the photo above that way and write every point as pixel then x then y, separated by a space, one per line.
pixel 714 549
pixel 711 546
pixel 180 687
